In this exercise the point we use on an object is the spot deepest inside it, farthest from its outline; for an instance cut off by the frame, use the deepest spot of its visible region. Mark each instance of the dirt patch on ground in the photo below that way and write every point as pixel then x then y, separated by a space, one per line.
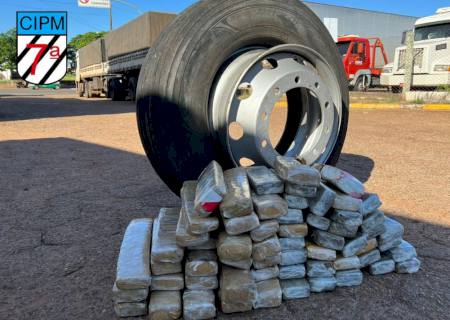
pixel 73 174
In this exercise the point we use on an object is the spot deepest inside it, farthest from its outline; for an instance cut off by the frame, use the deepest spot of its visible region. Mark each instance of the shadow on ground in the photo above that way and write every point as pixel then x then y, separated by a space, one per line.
pixel 6 95
pixel 27 108
pixel 359 166
pixel 64 207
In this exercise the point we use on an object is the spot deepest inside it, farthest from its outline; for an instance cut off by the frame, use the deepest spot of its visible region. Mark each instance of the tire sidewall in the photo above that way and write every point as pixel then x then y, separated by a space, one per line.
pixel 181 67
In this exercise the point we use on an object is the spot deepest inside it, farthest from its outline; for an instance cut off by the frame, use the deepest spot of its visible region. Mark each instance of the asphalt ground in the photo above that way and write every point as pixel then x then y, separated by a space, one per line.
pixel 73 174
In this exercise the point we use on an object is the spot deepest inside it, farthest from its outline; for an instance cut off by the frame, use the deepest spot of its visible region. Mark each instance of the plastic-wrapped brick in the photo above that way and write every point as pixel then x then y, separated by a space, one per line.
pixel 344 181
pixel 133 268
pixel 210 190
pixel 237 202
pixel 164 244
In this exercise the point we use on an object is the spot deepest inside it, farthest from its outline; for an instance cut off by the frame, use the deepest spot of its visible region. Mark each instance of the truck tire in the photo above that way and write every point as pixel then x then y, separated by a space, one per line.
pixel 396 89
pixel 199 64
pixel 359 85
pixel 80 90
pixel 87 90
pixel 132 86
pixel 117 93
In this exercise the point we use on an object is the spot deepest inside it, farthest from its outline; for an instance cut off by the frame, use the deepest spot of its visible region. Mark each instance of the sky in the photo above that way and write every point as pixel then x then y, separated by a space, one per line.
pixel 82 20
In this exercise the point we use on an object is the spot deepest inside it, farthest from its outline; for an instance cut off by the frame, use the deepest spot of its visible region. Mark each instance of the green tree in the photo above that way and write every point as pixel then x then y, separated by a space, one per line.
pixel 8 50
pixel 78 42
pixel 84 39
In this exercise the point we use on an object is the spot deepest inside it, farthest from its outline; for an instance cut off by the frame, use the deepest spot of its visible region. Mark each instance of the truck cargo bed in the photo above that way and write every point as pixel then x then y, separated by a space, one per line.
pixel 123 49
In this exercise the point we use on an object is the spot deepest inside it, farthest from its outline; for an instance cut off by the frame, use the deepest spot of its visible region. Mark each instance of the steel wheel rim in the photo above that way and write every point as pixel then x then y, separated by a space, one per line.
pixel 245 94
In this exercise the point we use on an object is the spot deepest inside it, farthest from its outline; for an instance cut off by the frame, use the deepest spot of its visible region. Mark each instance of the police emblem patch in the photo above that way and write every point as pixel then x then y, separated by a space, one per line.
pixel 41 46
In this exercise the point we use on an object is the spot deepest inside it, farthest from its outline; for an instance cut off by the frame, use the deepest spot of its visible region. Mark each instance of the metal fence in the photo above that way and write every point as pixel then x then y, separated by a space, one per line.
pixel 425 67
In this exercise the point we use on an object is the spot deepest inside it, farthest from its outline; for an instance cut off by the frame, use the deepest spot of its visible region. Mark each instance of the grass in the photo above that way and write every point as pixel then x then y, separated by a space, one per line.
pixel 443 87
pixel 419 101
pixel 69 77
pixel 375 97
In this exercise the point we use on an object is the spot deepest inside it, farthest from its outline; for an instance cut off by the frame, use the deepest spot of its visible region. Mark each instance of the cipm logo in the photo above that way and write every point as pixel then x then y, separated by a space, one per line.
pixel 41 46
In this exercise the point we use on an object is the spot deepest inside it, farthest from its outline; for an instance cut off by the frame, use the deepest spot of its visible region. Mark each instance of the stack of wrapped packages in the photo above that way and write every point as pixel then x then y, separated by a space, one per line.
pixel 249 238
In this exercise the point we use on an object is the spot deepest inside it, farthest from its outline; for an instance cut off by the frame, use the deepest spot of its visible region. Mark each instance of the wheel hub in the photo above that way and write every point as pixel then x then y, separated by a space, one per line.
pixel 247 91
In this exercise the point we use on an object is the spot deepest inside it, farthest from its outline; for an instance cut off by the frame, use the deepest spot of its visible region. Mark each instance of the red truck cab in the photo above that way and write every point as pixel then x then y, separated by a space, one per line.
pixel 359 57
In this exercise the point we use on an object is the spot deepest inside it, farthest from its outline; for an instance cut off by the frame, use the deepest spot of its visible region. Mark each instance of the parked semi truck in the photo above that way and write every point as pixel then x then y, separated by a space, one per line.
pixel 431 55
pixel 110 66
pixel 359 56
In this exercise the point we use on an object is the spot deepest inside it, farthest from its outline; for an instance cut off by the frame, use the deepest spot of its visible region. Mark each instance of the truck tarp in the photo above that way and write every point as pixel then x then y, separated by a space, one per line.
pixel 91 54
pixel 136 35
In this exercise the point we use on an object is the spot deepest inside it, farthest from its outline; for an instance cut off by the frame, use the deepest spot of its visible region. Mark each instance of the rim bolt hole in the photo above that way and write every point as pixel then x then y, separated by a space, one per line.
pixel 264 143
pixel 246 162
pixel 269 63
pixel 236 131
pixel 297 79
pixel 277 91
pixel 264 116
pixel 327 104
pixel 244 91
pixel 317 85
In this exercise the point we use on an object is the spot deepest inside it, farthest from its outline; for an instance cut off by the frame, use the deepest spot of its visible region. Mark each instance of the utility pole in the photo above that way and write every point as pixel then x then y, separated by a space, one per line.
pixel 110 16
pixel 122 2
pixel 107 4
pixel 102 4
pixel 409 61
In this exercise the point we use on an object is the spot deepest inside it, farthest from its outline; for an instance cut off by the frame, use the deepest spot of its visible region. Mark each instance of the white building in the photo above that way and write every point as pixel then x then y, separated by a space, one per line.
pixel 365 23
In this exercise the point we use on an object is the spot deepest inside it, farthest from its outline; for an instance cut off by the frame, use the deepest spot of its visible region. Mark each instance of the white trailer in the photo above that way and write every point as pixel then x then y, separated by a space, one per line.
pixel 110 66
pixel 115 78
pixel 431 55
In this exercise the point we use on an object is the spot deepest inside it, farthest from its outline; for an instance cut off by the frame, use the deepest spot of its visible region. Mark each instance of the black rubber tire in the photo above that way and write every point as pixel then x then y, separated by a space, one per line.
pixel 132 87
pixel 358 85
pixel 396 89
pixel 89 91
pixel 117 93
pixel 175 82
pixel 86 92
pixel 79 91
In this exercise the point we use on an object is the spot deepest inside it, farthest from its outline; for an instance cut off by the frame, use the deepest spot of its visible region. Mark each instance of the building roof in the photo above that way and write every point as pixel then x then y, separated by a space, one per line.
pixel 366 10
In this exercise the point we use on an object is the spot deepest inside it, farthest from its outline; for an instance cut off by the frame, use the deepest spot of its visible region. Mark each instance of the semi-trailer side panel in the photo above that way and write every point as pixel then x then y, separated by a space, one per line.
pixel 136 35
pixel 111 65
pixel 92 54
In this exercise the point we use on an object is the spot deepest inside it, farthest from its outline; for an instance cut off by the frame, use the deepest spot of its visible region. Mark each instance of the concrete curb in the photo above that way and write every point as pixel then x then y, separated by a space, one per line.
pixel 436 107
pixel 391 106
pixel 378 106
pixel 382 106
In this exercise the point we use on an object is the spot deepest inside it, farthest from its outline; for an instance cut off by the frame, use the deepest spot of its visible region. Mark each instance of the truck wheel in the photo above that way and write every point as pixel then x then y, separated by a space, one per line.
pixel 210 83
pixel 132 85
pixel 359 85
pixel 116 90
pixel 80 89
pixel 87 90
pixel 396 89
